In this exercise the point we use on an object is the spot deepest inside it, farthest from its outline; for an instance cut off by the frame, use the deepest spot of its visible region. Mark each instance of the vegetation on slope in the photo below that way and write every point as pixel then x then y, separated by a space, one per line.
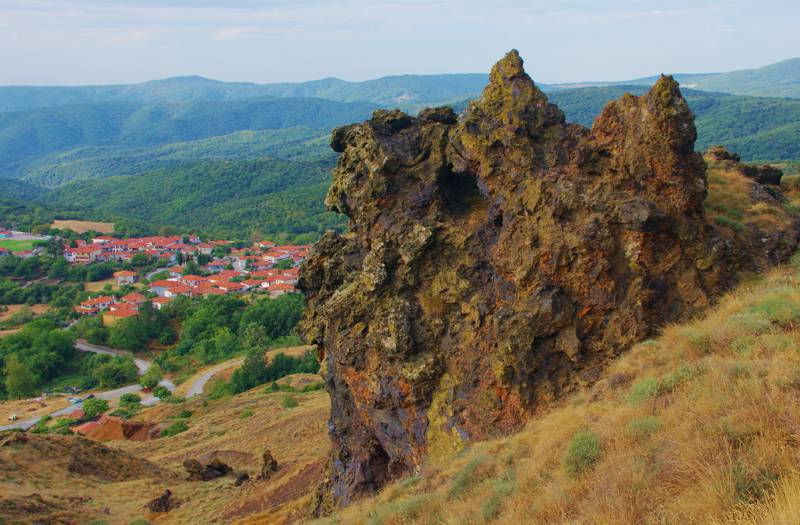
pixel 26 136
pixel 696 426
pixel 89 162
pixel 273 197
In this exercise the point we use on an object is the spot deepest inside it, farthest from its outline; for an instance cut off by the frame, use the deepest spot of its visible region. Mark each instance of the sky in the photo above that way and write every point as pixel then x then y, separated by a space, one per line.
pixel 71 42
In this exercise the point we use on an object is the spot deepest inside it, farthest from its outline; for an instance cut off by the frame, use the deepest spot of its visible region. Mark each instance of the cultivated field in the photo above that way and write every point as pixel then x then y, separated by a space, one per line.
pixel 84 226
pixel 15 245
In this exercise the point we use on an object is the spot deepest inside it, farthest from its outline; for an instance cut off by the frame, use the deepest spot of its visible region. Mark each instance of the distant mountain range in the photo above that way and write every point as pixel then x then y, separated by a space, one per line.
pixel 411 92
pixel 235 157
pixel 776 80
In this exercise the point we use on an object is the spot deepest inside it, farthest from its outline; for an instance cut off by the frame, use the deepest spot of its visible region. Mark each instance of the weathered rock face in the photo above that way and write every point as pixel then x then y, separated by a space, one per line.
pixel 494 261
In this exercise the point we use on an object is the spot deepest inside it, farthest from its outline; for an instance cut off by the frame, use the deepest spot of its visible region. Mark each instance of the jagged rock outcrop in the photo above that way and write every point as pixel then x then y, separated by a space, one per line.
pixel 494 261
pixel 763 174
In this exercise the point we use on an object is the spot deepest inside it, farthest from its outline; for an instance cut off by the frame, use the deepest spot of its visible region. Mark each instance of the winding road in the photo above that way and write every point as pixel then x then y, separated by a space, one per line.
pixel 109 395
pixel 200 383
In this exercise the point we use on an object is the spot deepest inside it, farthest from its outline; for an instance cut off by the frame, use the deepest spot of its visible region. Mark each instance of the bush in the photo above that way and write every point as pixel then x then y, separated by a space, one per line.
pixel 244 414
pixel 94 407
pixel 174 429
pixel 152 377
pixel 642 428
pixel 289 402
pixel 643 390
pixel 583 452
pixel 130 399
pixel 161 392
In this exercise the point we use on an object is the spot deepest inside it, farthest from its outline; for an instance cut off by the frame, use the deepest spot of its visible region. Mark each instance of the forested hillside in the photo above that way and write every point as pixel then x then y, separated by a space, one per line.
pixel 232 158
pixel 27 136
pixel 277 198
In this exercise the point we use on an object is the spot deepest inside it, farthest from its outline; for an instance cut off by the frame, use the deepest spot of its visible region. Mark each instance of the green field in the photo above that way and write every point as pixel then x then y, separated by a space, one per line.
pixel 15 246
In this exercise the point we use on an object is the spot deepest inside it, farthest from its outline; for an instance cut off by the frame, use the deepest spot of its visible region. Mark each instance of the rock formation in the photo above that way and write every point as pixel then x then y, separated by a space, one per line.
pixel 196 471
pixel 494 261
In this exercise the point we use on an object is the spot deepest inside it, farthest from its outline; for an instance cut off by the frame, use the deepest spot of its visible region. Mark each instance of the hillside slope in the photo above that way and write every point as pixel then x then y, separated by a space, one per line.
pixel 698 425
pixel 278 198
pixel 67 479
pixel 27 136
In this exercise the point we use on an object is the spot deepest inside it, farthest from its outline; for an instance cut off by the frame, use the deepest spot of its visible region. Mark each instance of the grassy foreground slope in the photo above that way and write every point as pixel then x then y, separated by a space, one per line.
pixel 68 479
pixel 697 426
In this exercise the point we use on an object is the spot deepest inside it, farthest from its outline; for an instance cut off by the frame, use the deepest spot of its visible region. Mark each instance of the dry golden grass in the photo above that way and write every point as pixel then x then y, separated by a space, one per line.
pixel 84 226
pixel 97 286
pixel 236 430
pixel 700 425
pixel 28 408
pixel 36 309
pixel 730 206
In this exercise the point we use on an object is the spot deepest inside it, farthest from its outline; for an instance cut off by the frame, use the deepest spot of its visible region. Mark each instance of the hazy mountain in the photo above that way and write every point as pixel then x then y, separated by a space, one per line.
pixel 408 91
pixel 776 80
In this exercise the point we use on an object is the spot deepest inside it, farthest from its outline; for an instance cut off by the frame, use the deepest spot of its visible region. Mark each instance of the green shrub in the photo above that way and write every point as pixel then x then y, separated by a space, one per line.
pixel 161 392
pixel 130 399
pixel 94 407
pixel 175 428
pixel 643 390
pixel 244 414
pixel 583 452
pixel 465 479
pixel 289 402
pixel 643 427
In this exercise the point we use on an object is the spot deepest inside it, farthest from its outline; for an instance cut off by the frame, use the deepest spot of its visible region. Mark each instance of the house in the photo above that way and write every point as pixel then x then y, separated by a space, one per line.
pixel 178 290
pixel 160 287
pixel 205 249
pixel 95 305
pixel 231 287
pixel 5 234
pixel 161 302
pixel 84 254
pixel 3 252
pixel 276 290
pixel 124 277
pixel 192 280
pixel 175 271
pixel 216 266
pixel 103 239
pixel 112 317
pixel 134 298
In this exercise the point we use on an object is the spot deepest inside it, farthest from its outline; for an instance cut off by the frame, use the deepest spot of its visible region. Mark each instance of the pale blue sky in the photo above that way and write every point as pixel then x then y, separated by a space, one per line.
pixel 116 41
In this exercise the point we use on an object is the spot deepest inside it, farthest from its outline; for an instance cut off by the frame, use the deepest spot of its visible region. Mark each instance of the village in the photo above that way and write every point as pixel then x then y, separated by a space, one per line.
pixel 190 268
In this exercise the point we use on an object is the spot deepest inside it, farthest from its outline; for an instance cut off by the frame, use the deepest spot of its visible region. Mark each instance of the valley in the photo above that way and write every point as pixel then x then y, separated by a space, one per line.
pixel 227 303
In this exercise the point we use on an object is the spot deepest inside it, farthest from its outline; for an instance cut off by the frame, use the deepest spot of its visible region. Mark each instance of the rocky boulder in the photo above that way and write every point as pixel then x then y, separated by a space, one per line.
pixel 495 261
pixel 198 472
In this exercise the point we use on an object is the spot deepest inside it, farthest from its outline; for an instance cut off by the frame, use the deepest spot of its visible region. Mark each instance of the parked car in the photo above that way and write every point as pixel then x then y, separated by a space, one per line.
pixel 12 417
pixel 75 400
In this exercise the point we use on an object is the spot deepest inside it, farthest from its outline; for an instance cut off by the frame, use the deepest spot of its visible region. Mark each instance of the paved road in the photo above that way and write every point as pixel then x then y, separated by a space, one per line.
pixel 109 395
pixel 149 276
pixel 200 383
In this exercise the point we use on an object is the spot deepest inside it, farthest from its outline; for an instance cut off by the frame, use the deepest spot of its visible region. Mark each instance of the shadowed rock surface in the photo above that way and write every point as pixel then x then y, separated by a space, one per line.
pixel 495 261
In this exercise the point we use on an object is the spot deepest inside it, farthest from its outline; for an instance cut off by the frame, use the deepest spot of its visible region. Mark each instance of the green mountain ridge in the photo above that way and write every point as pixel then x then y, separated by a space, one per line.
pixel 781 79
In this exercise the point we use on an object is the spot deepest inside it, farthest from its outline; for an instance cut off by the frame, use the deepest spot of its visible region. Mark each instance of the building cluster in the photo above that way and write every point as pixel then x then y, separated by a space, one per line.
pixel 107 248
pixel 262 268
